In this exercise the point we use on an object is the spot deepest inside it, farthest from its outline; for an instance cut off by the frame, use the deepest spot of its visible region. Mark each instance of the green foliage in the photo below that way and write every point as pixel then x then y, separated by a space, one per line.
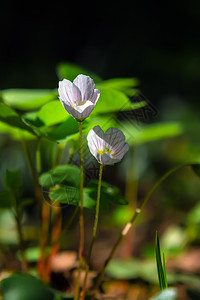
pixel 150 133
pixel 161 269
pixel 11 117
pixel 64 174
pixel 119 83
pixel 70 71
pixel 26 99
pixel 52 113
pixel 112 100
pixel 64 184
pixel 19 286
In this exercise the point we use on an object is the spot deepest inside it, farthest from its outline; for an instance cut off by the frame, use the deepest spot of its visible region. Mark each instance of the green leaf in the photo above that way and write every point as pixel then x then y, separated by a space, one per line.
pixel 67 194
pixel 112 100
pixel 68 175
pixel 18 286
pixel 64 131
pixel 26 99
pixel 5 199
pixel 16 133
pixel 196 169
pixel 139 134
pixel 168 294
pixel 119 83
pixel 71 71
pixel 14 182
pixel 52 113
pixel 109 193
pixel 11 117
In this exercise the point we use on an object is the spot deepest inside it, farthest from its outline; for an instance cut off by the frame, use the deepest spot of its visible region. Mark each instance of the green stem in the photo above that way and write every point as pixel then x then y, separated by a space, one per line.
pixel 81 221
pixel 67 225
pixel 129 225
pixel 21 244
pixel 94 233
pixel 38 158
pixel 34 176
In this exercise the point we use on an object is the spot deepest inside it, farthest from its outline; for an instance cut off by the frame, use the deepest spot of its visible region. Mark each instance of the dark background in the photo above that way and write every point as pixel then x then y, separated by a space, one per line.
pixel 156 41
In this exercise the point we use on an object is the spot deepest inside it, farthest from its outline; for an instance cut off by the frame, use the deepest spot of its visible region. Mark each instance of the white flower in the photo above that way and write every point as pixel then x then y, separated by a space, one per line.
pixel 78 97
pixel 109 147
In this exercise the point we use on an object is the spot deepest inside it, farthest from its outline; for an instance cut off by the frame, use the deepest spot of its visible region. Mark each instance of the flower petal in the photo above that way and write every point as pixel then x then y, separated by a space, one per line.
pixel 115 138
pixel 77 98
pixel 108 159
pixel 95 141
pixel 120 153
pixel 65 91
pixel 95 96
pixel 86 86
pixel 79 112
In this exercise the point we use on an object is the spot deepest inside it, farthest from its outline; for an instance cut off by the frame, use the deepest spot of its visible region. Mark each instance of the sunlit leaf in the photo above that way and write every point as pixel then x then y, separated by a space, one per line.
pixel 112 100
pixel 71 71
pixel 52 113
pixel 11 117
pixel 119 83
pixel 26 99
pixel 139 134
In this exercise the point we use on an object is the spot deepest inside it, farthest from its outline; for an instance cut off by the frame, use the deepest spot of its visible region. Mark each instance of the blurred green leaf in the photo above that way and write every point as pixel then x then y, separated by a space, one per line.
pixel 66 194
pixel 196 169
pixel 112 100
pixel 167 294
pixel 119 83
pixel 64 131
pixel 11 117
pixel 16 133
pixel 193 216
pixel 136 134
pixel 14 182
pixel 5 199
pixel 21 287
pixel 52 113
pixel 174 239
pixel 71 71
pixel 68 175
pixel 26 99
pixel 109 193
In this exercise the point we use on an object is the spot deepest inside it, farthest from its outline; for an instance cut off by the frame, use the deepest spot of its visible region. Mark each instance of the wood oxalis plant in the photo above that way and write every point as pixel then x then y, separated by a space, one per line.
pixel 79 99
pixel 36 117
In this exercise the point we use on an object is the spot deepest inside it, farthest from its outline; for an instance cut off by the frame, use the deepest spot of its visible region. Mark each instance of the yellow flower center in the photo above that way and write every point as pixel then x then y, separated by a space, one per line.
pixel 100 152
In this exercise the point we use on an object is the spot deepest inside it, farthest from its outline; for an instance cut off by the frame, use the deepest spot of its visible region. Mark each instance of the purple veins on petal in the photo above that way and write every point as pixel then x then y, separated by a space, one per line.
pixel 79 97
pixel 109 147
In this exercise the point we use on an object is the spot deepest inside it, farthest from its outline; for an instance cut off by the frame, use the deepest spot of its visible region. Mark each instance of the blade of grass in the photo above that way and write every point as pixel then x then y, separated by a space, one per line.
pixel 161 276
pixel 164 272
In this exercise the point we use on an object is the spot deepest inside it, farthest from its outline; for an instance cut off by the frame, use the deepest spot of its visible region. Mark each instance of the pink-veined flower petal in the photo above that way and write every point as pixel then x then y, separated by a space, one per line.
pixel 78 98
pixel 79 112
pixel 65 91
pixel 109 147
pixel 86 86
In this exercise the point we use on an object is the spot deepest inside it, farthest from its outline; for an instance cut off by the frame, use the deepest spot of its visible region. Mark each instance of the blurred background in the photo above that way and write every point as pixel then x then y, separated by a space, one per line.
pixel 156 42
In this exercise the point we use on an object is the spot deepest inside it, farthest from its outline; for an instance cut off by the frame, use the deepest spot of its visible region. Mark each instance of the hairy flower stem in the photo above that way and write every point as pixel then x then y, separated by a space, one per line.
pixel 129 225
pixel 94 233
pixel 81 219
